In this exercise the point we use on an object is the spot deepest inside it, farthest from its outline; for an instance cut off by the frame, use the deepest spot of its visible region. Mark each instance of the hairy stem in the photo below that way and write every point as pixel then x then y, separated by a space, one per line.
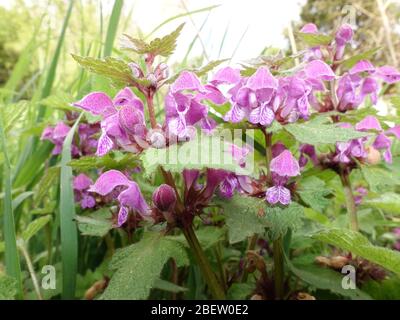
pixel 278 268
pixel 350 203
pixel 150 106
pixel 212 282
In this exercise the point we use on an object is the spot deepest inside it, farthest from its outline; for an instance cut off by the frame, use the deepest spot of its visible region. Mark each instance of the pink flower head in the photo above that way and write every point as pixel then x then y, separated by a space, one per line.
pixel 164 198
pixel 285 165
pixel 81 184
pixel 342 37
pixel 123 122
pixel 129 198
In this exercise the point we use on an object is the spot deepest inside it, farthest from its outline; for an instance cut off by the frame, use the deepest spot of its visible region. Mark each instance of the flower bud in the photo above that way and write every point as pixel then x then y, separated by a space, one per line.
pixel 153 80
pixel 136 71
pixel 164 198
pixel 373 156
pixel 157 139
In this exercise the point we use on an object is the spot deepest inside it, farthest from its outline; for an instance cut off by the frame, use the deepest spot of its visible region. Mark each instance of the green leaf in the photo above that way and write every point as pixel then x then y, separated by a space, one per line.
pixel 208 236
pixel 164 46
pixel 49 179
pixel 199 153
pixel 168 286
pixel 68 230
pixel 316 216
pixel 96 224
pixel 240 291
pixel 326 279
pixel 114 160
pixel 356 243
pixel 34 227
pixel 314 40
pixel 8 287
pixel 241 214
pixel 115 69
pixel 313 191
pixel 280 220
pixel 314 133
pixel 350 62
pixel 378 179
pixel 138 267
pixel 388 202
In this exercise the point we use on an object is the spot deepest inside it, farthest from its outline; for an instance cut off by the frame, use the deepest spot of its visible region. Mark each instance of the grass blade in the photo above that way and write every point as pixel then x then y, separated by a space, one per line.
pixel 13 267
pixel 69 233
pixel 112 27
pixel 181 16
pixel 51 74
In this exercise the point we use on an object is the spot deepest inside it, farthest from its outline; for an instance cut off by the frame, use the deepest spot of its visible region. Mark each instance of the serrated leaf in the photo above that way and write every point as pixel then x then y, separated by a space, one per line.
pixel 8 287
pixel 109 161
pixel 34 227
pixel 199 153
pixel 314 133
pixel 316 216
pixel 96 224
pixel 49 179
pixel 138 267
pixel 314 40
pixel 313 192
pixel 350 62
pixel 114 69
pixel 207 236
pixel 164 46
pixel 241 216
pixel 280 220
pixel 378 179
pixel 388 202
pixel 325 279
pixel 359 245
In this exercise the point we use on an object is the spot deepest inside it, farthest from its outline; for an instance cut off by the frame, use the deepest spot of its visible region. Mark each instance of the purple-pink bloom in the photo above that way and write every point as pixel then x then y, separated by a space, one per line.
pixel 285 165
pixel 123 122
pixel 129 194
pixel 81 184
pixel 342 37
pixel 57 136
pixel 277 194
pixel 164 198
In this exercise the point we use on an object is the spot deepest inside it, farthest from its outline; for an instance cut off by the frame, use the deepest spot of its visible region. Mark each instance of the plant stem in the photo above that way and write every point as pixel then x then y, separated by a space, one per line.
pixel 350 203
pixel 150 106
pixel 278 268
pixel 214 286
pixel 31 271
pixel 268 152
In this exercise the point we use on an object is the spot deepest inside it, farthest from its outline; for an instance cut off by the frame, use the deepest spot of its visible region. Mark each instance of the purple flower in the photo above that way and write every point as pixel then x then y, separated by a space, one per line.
pixel 184 109
pixel 285 165
pixel 315 52
pixel 129 194
pixel 342 37
pixel 57 136
pixel 164 198
pixel 123 122
pixel 360 193
pixel 277 194
pixel 81 184
pixel 307 151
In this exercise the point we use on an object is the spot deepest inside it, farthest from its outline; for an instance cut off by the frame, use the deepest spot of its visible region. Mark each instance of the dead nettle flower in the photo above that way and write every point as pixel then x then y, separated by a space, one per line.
pixel 362 81
pixel 122 125
pixel 129 196
pixel 164 198
pixel 184 108
pixel 283 166
pixel 81 185
pixel 365 148
pixel 263 98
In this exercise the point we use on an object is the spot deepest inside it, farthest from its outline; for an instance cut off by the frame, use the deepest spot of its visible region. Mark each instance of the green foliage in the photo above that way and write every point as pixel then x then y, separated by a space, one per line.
pixel 164 46
pixel 115 160
pixel 313 191
pixel 138 266
pixel 49 179
pixel 350 62
pixel 8 287
pixel 280 220
pixel 326 279
pixel 315 133
pixel 356 243
pixel 34 227
pixel 389 202
pixel 379 179
pixel 199 153
pixel 96 224
pixel 314 40
pixel 112 68
pixel 241 217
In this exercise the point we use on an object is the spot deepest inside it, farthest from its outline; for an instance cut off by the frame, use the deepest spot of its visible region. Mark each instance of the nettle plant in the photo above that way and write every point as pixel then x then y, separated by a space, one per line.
pixel 226 183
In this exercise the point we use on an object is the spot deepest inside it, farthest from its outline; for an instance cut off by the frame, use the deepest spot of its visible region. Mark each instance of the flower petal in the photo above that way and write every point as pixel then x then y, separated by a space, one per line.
pixel 133 198
pixel 369 123
pixel 277 194
pixel 108 181
pixel 97 103
pixel 317 69
pixel 122 216
pixel 285 165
